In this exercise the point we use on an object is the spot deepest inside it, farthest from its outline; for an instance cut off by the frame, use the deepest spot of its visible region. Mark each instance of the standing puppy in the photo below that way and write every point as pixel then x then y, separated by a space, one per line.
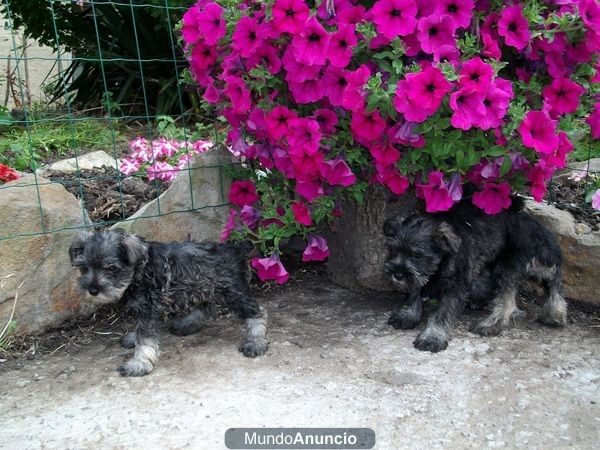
pixel 466 254
pixel 181 282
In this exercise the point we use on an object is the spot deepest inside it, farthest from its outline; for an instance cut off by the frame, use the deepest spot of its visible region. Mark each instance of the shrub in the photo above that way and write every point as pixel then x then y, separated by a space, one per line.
pixel 323 99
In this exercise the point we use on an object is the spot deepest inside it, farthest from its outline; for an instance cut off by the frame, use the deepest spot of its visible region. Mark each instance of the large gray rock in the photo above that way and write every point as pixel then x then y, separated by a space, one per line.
pixel 581 250
pixel 89 161
pixel 47 296
pixel 592 166
pixel 357 249
pixel 194 205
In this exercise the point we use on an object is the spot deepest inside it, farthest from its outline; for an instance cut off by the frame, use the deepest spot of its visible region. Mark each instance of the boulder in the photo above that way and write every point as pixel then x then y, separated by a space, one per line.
pixel 590 166
pixel 37 222
pixel 581 251
pixel 357 250
pixel 90 161
pixel 194 206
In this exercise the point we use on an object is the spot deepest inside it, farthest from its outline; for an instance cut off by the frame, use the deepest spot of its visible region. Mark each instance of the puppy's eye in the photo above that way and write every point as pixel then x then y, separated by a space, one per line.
pixel 110 268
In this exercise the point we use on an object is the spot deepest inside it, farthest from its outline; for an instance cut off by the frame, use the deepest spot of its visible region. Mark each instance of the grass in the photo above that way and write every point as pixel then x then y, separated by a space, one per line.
pixel 585 149
pixel 25 148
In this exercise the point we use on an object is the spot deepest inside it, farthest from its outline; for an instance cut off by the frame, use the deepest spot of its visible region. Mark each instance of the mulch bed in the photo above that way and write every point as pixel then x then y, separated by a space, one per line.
pixel 108 195
pixel 570 197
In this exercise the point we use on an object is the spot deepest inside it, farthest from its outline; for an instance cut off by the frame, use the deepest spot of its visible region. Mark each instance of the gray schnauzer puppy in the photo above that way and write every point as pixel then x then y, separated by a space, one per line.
pixel 465 255
pixel 180 282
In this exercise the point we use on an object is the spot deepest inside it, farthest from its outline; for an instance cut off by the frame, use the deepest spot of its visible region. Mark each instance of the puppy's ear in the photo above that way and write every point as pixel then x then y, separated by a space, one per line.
pixel 135 248
pixel 78 244
pixel 391 225
pixel 447 239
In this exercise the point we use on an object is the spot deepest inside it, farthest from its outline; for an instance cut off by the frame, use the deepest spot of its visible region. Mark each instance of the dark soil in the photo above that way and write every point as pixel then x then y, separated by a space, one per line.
pixel 571 198
pixel 107 195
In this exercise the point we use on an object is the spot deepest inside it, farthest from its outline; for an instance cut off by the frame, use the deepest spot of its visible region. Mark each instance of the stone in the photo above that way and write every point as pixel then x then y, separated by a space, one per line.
pixel 37 222
pixel 581 251
pixel 195 206
pixel 357 250
pixel 89 161
pixel 591 166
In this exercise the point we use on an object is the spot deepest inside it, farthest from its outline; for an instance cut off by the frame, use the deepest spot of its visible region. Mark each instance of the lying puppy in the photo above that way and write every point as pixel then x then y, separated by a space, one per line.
pixel 180 282
pixel 466 254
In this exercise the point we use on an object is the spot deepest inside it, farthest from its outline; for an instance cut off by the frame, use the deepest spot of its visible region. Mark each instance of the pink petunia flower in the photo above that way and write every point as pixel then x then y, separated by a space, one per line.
pixel 420 94
pixel 129 166
pixel 538 131
pixel 590 14
pixel 238 94
pixel 334 85
pixel 283 162
pixel 562 96
pixel 279 121
pixel 435 193
pixel 476 75
pixel 337 173
pixel 496 103
pixel 339 51
pixel 249 216
pixel 367 126
pixel 243 192
pixel 211 23
pixel 230 225
pixel 305 135
pixel 270 268
pixel 309 189
pixel 559 158
pixel 202 57
pixel 596 200
pixel 468 108
pixel 384 154
pixel 302 213
pixel 461 11
pixel 354 94
pixel 161 170
pixel 190 30
pixel 514 27
pixel 494 198
pixel 327 120
pixel 290 15
pixel 316 250
pixel 308 91
pixel 247 37
pixel 403 133
pixel 310 45
pixel 393 180
pixel 435 32
pixel 394 18
pixel 538 177
pixel 268 56
pixel 296 72
pixel 593 121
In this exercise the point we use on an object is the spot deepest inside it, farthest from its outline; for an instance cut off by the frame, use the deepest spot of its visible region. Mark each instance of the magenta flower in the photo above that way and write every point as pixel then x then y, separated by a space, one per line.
pixel 266 55
pixel 211 23
pixel 394 18
pixel 435 32
pixel 290 15
pixel 494 198
pixel 435 193
pixel 337 173
pixel 283 162
pixel 203 56
pixel 305 136
pixel 306 164
pixel 514 27
pixel 308 189
pixel 302 213
pixel 129 166
pixel 395 182
pixel 538 176
pixel 310 45
pixel 385 154
pixel 367 126
pixel 249 216
pixel 420 94
pixel 354 94
pixel 403 133
pixel 308 91
pixel 594 121
pixel 562 96
pixel 247 37
pixel 190 30
pixel 596 200
pixel 279 122
pixel 496 103
pixel 297 72
pixel 334 85
pixel 476 75
pixel 341 44
pixel 327 120
pixel 538 131
pixel 316 250
pixel 270 268
pixel 559 158
pixel 590 14
pixel 238 94
pixel 460 11
pixel 161 170
pixel 469 109
pixel 230 225
pixel 243 192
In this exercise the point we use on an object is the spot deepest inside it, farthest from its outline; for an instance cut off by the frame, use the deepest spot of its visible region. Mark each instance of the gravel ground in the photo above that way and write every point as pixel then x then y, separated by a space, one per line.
pixel 333 362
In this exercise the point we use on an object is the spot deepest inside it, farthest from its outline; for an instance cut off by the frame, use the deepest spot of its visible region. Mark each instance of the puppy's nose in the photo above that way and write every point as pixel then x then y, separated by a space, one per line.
pixel 93 290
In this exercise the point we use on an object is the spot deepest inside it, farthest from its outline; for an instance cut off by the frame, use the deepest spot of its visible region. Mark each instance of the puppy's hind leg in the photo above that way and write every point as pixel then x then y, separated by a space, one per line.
pixel 409 315
pixel 555 306
pixel 190 324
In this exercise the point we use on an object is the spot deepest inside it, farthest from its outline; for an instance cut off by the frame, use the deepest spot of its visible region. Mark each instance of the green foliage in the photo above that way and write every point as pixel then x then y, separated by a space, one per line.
pixel 135 43
pixel 5 341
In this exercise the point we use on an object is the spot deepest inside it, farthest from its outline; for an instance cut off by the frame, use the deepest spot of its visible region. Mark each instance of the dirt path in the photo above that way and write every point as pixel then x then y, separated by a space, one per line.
pixel 333 362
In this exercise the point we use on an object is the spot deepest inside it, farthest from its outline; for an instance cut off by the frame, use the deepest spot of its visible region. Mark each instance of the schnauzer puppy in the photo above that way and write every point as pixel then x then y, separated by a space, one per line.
pixel 467 255
pixel 181 282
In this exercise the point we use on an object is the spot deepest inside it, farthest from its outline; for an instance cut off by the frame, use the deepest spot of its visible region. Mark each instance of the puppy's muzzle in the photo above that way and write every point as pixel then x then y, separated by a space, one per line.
pixel 397 275
pixel 93 290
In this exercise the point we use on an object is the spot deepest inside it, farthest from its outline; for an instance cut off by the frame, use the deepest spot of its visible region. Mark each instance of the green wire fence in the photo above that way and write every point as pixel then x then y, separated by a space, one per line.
pixel 118 65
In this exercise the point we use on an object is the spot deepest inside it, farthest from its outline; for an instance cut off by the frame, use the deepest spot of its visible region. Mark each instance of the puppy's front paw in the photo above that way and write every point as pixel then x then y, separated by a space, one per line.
pixel 135 368
pixel 403 319
pixel 485 329
pixel 429 343
pixel 254 347
pixel 128 340
pixel 553 321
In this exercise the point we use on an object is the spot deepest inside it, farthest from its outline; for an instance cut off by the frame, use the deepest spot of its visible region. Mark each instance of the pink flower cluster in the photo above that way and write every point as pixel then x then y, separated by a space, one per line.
pixel 319 97
pixel 162 159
